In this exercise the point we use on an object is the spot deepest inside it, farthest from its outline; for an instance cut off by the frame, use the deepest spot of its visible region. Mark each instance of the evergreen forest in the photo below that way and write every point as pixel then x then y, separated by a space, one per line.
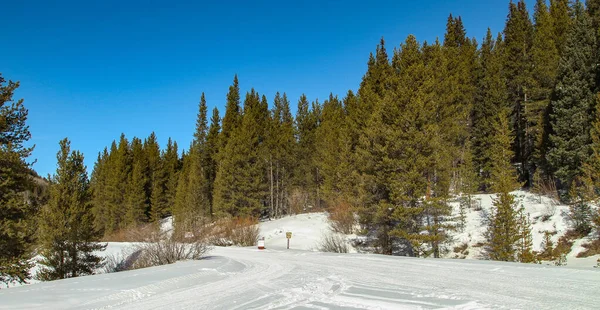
pixel 429 122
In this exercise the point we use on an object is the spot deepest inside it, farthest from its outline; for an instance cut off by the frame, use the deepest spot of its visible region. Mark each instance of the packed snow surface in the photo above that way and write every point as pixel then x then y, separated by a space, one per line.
pixel 247 278
pixel 301 278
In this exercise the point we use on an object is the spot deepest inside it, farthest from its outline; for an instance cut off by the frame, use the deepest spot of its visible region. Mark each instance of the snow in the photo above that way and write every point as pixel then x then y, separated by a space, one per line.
pixel 248 278
pixel 302 278
pixel 307 230
pixel 473 234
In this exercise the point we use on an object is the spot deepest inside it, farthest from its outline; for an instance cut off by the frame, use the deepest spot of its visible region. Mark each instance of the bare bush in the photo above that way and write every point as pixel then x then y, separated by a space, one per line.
pixel 158 249
pixel 240 231
pixel 335 243
pixel 130 234
pixel 121 262
pixel 341 217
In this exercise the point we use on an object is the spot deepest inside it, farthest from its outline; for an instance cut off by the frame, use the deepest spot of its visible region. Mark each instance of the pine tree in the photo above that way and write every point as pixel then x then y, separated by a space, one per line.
pixel 172 166
pixel 525 253
pixel 151 150
pixel 281 154
pixel 135 200
pixel 547 252
pixel 210 155
pixel 16 234
pixel 233 114
pixel 328 146
pixel 396 156
pixel 580 211
pixel 193 197
pixel 241 186
pixel 307 174
pixel 544 56
pixel 491 98
pixel 68 239
pixel 503 227
pixel 561 22
pixel 573 102
pixel 518 35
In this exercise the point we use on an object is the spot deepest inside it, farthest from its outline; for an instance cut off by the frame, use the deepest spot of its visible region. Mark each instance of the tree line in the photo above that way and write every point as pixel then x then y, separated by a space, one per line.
pixel 431 121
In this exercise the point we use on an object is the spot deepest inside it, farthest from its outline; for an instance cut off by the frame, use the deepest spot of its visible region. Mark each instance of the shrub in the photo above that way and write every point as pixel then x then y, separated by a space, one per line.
pixel 158 249
pixel 240 231
pixel 591 248
pixel 155 248
pixel 335 243
pixel 341 217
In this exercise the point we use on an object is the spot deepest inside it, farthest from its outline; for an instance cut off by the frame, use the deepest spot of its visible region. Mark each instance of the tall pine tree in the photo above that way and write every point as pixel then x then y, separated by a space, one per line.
pixel 15 178
pixel 573 101
pixel 68 239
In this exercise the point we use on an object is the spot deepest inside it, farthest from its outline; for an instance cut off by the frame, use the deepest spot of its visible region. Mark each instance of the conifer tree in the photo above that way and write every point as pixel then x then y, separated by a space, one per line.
pixel 544 56
pixel 233 113
pixel 193 202
pixel 518 35
pixel 525 253
pixel 16 233
pixel 396 156
pixel 561 21
pixel 573 101
pixel 135 201
pixel 281 154
pixel 241 184
pixel 67 237
pixel 491 98
pixel 503 227
pixel 580 211
pixel 172 166
pixel 307 173
pixel 210 155
pixel 151 150
pixel 547 247
pixel 328 146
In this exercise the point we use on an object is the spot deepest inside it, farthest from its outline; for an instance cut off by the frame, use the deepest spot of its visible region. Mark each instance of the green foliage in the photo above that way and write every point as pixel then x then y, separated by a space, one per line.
pixel 281 148
pixel 580 211
pixel 240 185
pixel 67 237
pixel 525 253
pixel 503 227
pixel 306 176
pixel 16 211
pixel 573 101
pixel 491 98
pixel 518 36
pixel 544 55
pixel 561 22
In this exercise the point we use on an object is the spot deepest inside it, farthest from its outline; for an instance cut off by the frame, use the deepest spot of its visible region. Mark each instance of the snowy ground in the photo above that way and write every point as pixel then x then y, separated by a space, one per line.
pixel 301 278
pixel 246 278
pixel 538 208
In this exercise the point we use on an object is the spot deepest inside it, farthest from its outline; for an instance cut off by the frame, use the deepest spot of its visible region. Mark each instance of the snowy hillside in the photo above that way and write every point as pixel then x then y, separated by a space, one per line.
pixel 545 215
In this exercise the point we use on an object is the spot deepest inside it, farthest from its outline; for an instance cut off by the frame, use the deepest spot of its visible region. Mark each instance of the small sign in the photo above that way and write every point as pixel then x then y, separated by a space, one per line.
pixel 288 234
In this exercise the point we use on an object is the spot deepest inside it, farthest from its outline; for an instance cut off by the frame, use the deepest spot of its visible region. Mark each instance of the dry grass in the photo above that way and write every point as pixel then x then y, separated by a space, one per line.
pixel 591 248
pixel 155 248
pixel 341 217
pixel 335 243
pixel 131 234
pixel 240 231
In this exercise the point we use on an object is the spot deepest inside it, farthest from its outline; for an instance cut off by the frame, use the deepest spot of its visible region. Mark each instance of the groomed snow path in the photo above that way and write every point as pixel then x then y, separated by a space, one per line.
pixel 246 278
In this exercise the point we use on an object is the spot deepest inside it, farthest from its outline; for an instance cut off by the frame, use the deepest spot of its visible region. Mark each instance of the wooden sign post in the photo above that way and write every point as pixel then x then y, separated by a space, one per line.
pixel 288 235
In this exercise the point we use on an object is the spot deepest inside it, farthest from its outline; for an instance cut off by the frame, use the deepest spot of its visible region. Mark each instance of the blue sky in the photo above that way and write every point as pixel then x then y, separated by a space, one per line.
pixel 91 70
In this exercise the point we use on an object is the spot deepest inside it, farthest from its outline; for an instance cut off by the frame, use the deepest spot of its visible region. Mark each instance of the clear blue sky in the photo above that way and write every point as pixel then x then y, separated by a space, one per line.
pixel 90 70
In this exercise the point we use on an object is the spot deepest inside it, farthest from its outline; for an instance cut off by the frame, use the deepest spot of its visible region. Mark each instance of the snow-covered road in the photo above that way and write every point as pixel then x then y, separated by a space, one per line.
pixel 246 278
